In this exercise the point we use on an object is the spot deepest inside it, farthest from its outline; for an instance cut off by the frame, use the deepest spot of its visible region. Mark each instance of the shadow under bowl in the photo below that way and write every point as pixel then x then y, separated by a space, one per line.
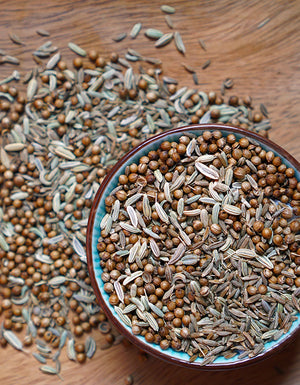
pixel 93 233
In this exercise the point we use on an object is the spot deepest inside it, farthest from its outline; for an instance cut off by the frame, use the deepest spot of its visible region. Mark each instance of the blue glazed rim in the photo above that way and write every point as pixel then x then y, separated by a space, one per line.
pixel 93 232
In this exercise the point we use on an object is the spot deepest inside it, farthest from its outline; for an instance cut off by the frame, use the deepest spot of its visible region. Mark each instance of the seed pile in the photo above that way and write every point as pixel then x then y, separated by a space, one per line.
pixel 57 143
pixel 200 246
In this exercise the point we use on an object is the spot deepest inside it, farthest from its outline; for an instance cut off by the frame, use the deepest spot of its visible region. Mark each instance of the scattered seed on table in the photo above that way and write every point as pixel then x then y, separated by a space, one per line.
pixel 264 110
pixel 195 79
pixel 206 64
pixel 188 68
pixel 42 32
pixel 135 30
pixel 179 43
pixel 164 40
pixel 202 44
pixel 120 37
pixel 167 9
pixel 76 49
pixel 263 23
pixel 169 21
pixel 9 59
pixel 15 39
pixel 154 34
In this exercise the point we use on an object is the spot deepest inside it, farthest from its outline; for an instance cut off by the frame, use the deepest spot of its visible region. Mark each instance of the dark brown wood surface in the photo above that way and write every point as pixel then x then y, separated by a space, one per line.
pixel 264 63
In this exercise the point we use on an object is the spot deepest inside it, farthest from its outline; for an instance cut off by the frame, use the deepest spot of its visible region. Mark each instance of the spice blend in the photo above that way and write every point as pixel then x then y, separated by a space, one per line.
pixel 200 246
pixel 58 140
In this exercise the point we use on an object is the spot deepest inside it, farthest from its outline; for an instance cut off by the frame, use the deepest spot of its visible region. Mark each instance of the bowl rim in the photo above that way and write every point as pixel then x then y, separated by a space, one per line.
pixel 132 338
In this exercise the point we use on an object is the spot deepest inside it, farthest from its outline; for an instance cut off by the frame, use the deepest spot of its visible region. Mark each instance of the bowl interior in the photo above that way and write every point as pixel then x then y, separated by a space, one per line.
pixel 97 270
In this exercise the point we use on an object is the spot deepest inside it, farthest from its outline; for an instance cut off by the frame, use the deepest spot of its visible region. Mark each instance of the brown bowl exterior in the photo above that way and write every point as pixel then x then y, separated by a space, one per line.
pixel 139 343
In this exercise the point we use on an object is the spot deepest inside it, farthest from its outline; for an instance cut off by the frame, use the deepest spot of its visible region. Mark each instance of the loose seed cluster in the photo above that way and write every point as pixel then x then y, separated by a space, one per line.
pixel 57 143
pixel 200 246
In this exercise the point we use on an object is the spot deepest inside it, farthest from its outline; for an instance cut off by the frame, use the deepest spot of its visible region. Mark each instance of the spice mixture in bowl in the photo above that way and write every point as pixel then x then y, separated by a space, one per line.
pixel 193 246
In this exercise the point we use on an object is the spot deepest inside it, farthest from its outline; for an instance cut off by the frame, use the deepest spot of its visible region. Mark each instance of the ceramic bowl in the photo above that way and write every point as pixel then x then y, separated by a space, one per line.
pixel 93 232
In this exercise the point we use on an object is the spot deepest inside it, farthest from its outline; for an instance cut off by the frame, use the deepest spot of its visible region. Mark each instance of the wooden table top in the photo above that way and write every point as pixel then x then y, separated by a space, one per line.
pixel 264 63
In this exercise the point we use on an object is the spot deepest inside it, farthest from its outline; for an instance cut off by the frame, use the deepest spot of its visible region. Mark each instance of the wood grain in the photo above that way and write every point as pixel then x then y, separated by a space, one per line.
pixel 264 63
